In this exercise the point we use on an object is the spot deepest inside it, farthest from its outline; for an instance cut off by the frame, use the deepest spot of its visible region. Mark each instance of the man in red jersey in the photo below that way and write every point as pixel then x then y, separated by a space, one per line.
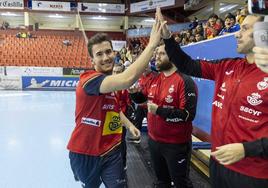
pixel 171 98
pixel 141 110
pixel 240 117
pixel 95 142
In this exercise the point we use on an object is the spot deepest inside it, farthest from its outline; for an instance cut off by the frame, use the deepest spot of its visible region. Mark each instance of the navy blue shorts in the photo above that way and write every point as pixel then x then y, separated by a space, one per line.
pixel 92 170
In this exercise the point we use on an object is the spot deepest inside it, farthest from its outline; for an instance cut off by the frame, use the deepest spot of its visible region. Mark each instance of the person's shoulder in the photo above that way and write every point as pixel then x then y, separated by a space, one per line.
pixel 91 73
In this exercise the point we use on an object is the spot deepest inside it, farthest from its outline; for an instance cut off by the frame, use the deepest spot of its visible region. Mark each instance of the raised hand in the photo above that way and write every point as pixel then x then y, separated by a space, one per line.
pixel 165 33
pixel 155 36
pixel 261 58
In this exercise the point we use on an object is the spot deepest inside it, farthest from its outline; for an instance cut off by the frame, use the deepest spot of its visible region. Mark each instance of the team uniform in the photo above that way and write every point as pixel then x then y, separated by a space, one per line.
pixel 95 142
pixel 141 111
pixel 170 129
pixel 239 115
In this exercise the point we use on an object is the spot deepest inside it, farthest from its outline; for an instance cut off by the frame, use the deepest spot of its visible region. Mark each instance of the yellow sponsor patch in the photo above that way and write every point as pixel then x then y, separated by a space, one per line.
pixel 112 124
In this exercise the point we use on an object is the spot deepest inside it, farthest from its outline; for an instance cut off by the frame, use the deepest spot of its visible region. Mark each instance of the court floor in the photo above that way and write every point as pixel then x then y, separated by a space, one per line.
pixel 34 129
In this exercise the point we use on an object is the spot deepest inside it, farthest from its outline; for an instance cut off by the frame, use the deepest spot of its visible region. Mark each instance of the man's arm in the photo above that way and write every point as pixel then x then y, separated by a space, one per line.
pixel 129 76
pixel 127 123
pixel 181 60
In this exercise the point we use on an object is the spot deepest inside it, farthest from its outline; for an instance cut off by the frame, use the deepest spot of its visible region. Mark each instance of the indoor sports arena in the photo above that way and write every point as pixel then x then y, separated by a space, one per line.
pixel 133 94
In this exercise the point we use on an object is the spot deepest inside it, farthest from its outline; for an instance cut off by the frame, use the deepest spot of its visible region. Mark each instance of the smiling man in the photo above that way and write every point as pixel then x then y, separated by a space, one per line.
pixel 239 131
pixel 95 142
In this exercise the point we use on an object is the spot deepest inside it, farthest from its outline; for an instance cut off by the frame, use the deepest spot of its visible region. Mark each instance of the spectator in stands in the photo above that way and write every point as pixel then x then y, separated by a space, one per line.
pixel 198 37
pixel 211 27
pixel 23 35
pixel 192 39
pixel 18 35
pixel 67 42
pixel 240 117
pixel 29 35
pixel 244 13
pixel 171 98
pixel 5 25
pixel 220 22
pixel 185 41
pixel 178 38
pixel 95 154
pixel 117 57
pixel 199 29
pixel 229 25
pixel 194 23
pixel 238 15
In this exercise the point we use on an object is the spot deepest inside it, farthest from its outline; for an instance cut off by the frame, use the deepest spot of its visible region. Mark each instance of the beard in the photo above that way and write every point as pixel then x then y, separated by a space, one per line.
pixel 163 66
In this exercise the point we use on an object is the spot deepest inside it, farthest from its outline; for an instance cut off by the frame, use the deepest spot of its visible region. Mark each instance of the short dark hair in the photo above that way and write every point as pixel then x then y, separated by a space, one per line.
pixel 230 16
pixel 97 39
pixel 213 15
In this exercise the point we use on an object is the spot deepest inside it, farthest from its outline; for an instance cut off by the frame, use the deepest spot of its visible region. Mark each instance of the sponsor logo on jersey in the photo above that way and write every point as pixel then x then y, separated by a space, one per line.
pixel 254 99
pixel 229 72
pixel 248 119
pixel 174 120
pixel 223 87
pixel 169 99
pixel 250 111
pixel 221 96
pixel 217 104
pixel 171 89
pixel 108 107
pixel 191 94
pixel 262 85
pixel 112 124
pixel 91 121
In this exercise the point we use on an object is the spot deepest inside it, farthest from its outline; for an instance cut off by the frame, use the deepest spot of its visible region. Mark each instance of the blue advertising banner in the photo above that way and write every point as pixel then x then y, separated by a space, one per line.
pixel 49 83
pixel 218 48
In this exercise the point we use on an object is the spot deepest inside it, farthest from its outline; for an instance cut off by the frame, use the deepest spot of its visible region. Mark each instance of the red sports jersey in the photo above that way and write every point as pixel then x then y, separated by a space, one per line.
pixel 123 100
pixel 144 80
pixel 168 92
pixel 239 109
pixel 98 128
pixel 240 104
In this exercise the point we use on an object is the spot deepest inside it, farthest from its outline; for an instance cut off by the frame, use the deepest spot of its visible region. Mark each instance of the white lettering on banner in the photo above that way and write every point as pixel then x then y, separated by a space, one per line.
pixel 118 44
pixel 63 83
pixel 250 111
pixel 51 6
pixel 149 5
pixel 7 82
pixel 34 71
pixel 101 8
pixel 12 4
pixel 218 104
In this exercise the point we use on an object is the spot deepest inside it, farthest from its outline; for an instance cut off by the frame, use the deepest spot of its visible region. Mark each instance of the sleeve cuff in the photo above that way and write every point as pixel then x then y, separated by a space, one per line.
pixel 252 148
